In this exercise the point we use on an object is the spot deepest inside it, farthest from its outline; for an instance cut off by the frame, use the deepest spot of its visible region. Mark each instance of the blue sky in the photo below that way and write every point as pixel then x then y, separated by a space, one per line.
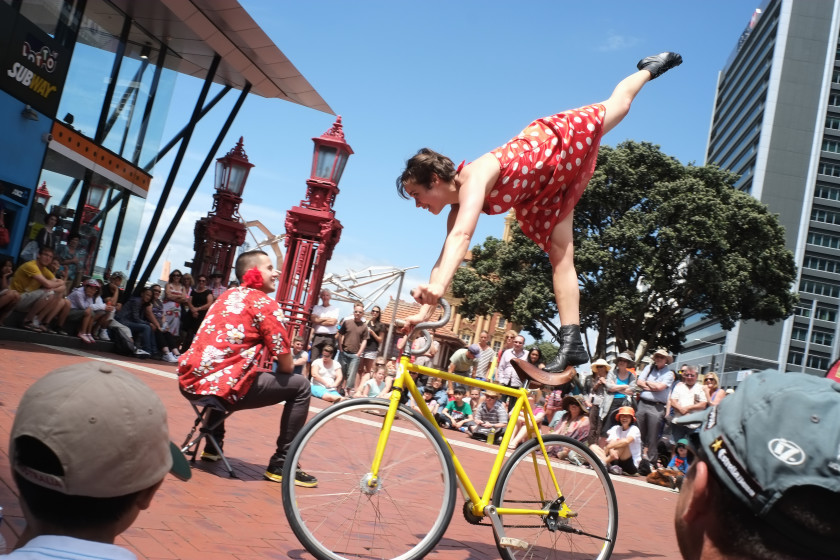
pixel 461 77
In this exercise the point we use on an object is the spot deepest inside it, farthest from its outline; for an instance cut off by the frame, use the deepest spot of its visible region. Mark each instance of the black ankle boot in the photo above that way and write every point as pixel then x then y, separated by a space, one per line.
pixel 571 353
pixel 660 63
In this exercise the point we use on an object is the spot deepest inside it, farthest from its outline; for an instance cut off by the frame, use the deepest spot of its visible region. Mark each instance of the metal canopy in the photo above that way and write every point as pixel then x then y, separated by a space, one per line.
pixel 198 29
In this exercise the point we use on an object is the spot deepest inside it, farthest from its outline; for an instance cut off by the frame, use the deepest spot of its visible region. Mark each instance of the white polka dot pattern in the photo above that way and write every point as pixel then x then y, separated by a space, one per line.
pixel 564 148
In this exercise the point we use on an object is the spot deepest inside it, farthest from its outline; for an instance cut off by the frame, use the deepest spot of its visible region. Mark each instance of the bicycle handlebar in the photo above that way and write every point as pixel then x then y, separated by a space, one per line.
pixel 421 327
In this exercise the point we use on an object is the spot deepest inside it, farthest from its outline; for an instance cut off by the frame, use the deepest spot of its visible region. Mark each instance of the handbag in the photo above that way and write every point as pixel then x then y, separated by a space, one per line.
pixel 4 232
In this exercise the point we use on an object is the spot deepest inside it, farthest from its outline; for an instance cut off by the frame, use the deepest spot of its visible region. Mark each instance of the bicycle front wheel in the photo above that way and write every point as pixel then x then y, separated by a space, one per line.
pixel 403 515
pixel 525 483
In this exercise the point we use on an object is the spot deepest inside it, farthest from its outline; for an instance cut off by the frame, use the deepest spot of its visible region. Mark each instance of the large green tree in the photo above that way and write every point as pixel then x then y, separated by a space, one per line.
pixel 653 239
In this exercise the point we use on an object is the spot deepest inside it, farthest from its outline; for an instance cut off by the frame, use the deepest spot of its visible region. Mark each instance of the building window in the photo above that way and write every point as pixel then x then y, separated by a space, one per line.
pixel 825 216
pixel 497 345
pixel 802 309
pixel 824 240
pixel 830 169
pixel 795 357
pixel 502 323
pixel 834 100
pixel 826 338
pixel 466 337
pixel 831 146
pixel 819 288
pixel 799 333
pixel 826 314
pixel 824 191
pixel 832 122
pixel 819 263
pixel 818 362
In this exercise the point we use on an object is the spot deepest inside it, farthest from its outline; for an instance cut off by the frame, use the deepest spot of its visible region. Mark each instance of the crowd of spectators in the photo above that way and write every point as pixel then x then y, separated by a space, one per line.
pixel 48 294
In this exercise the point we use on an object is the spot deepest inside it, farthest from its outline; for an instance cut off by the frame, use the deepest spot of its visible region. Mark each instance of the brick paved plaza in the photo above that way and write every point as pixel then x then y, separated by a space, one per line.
pixel 215 517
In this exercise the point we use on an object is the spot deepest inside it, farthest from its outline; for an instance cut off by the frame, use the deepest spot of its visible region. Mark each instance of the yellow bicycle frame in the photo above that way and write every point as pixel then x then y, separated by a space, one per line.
pixel 404 381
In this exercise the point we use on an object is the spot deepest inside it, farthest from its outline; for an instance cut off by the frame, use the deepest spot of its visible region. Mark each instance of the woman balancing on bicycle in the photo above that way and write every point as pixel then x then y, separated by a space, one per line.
pixel 541 174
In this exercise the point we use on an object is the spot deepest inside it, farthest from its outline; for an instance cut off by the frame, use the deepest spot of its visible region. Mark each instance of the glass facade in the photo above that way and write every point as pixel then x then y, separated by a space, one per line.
pixel 114 97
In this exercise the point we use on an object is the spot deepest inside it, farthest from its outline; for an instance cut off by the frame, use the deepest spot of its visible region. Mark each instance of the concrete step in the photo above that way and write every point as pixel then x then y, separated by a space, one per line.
pixel 23 335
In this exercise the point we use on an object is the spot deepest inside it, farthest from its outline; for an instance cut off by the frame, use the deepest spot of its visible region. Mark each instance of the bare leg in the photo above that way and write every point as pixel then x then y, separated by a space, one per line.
pixel 564 276
pixel 618 104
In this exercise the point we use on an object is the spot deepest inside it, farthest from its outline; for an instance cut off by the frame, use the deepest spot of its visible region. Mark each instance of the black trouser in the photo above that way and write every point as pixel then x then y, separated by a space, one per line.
pixel 271 388
pixel 318 342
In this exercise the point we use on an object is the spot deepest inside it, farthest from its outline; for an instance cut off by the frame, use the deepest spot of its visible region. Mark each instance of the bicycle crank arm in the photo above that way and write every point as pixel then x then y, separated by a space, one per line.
pixel 505 541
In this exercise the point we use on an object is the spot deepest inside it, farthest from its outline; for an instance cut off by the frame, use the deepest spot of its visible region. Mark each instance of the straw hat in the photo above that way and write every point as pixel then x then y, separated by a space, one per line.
pixel 663 352
pixel 601 362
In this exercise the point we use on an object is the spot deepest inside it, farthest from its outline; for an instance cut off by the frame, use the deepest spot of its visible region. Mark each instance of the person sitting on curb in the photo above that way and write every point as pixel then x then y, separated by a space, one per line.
pixel 490 416
pixel 41 293
pixel 326 376
pixel 765 481
pixel 85 304
pixel 74 457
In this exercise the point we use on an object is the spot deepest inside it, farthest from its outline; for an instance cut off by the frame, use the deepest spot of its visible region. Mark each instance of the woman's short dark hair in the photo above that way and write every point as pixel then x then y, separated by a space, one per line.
pixel 420 168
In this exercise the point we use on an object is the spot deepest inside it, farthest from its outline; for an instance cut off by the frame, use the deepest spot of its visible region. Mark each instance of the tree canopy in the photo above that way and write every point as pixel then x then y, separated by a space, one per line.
pixel 653 238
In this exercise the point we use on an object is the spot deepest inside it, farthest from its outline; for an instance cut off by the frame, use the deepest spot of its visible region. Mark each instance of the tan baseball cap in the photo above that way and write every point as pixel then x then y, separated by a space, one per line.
pixel 106 427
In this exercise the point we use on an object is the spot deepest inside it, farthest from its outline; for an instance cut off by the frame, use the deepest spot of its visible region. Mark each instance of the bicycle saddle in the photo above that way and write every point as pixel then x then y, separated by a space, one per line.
pixel 530 372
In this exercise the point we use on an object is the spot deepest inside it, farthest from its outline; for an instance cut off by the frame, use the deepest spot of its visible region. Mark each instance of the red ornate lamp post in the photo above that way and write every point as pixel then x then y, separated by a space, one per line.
pixel 96 193
pixel 312 230
pixel 221 232
pixel 42 195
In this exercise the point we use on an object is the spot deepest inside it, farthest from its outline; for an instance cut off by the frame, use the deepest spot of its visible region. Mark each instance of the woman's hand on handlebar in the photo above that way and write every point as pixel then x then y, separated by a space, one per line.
pixel 413 320
pixel 428 294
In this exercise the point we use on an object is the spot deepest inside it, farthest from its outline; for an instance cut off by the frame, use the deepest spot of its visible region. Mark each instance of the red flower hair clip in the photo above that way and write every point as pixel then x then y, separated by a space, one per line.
pixel 253 279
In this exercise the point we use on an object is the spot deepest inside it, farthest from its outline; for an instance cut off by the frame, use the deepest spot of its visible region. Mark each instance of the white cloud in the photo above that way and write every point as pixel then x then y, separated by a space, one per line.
pixel 617 42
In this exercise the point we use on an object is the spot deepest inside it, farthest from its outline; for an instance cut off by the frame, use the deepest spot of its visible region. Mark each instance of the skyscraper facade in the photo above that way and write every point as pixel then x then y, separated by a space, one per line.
pixel 776 123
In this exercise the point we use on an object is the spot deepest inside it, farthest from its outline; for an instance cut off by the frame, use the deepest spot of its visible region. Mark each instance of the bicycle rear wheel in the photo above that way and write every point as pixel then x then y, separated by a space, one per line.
pixel 525 483
pixel 407 512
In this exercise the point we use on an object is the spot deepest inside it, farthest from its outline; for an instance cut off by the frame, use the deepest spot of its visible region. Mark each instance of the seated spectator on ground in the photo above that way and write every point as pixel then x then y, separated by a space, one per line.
pixel 112 295
pixel 622 453
pixel 764 483
pixel 441 394
pixel 153 314
pixel 429 399
pixel 574 424
pixel 41 293
pixel 243 325
pixel 376 385
pixel 89 449
pixel 475 398
pixel 326 376
pixel 132 315
pixel 537 401
pixel 300 356
pixel 87 307
pixel 457 414
pixel 490 416
pixel 8 297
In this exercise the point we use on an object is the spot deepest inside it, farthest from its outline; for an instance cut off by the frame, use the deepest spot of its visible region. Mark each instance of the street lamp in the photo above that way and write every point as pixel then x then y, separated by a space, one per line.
pixel 331 153
pixel 42 195
pixel 232 170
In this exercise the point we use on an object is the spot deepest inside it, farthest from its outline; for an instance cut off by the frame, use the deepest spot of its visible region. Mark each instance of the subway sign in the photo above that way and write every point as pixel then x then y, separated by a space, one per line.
pixel 34 67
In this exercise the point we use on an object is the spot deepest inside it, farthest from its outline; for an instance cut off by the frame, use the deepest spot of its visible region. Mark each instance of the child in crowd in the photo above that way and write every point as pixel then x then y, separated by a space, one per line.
pixel 375 386
pixel 458 413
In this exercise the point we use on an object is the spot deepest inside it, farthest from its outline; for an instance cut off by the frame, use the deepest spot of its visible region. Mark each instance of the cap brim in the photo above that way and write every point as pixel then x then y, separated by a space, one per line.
pixel 694 417
pixel 180 466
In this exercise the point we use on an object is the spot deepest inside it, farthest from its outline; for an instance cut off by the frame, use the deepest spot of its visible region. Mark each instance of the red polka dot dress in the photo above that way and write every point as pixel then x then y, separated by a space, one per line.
pixel 545 169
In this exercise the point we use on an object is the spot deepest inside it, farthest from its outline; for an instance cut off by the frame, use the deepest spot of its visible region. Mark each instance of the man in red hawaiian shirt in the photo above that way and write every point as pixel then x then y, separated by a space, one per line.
pixel 224 357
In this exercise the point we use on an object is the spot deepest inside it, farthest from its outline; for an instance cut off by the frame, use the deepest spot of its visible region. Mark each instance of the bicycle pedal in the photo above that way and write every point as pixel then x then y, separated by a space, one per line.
pixel 510 542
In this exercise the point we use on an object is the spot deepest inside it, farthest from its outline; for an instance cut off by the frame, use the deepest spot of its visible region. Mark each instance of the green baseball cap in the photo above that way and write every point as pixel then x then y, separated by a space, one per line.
pixel 778 431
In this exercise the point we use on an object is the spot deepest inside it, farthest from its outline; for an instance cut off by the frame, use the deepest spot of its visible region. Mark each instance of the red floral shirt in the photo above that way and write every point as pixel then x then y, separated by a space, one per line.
pixel 226 351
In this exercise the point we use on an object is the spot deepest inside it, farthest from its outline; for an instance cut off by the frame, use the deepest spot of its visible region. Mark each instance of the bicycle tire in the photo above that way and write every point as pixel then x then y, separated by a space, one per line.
pixel 587 491
pixel 338 519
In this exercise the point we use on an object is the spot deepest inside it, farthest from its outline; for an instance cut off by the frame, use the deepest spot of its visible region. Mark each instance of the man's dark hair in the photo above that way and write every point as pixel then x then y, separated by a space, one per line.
pixel 460 391
pixel 246 261
pixel 297 339
pixel 738 532
pixel 62 510
pixel 46 249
